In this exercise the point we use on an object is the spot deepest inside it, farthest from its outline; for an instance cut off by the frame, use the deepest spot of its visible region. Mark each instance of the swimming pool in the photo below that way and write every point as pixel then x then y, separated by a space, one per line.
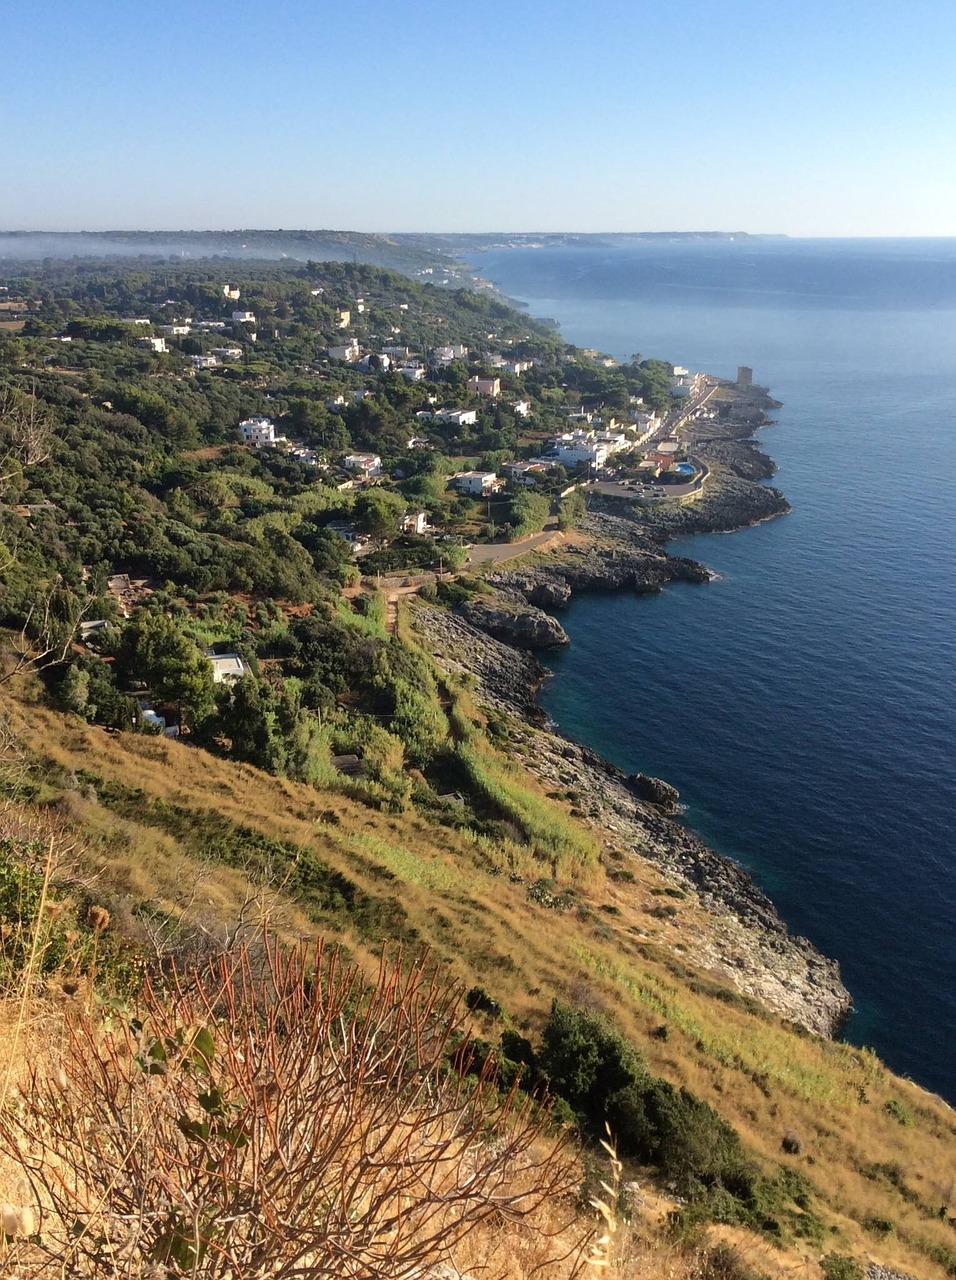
pixel 685 468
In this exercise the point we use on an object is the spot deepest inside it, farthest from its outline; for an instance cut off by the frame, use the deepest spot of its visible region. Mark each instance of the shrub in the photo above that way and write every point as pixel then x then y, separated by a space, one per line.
pixel 268 1116
pixel 586 1062
pixel 838 1266
pixel 478 1000
pixel 900 1113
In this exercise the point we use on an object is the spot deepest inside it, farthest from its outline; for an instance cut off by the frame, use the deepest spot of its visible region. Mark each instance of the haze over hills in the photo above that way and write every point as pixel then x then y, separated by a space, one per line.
pixel 403 251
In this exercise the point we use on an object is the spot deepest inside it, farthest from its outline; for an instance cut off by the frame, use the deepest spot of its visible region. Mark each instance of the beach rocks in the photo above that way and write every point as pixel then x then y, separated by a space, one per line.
pixel 528 628
pixel 655 791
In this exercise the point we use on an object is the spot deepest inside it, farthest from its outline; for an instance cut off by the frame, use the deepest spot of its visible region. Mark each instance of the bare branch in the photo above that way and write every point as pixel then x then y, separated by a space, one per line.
pixel 281 1121
pixel 25 434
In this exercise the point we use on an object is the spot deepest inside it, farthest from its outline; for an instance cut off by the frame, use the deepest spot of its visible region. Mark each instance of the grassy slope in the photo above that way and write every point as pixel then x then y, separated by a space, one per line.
pixel 158 819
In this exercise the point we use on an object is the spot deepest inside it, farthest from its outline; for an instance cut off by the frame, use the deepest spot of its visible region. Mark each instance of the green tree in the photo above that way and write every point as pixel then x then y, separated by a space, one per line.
pixel 248 718
pixel 378 512
pixel 154 649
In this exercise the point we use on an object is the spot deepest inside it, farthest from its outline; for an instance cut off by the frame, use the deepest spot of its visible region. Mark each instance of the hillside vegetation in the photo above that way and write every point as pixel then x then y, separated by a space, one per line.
pixel 344 789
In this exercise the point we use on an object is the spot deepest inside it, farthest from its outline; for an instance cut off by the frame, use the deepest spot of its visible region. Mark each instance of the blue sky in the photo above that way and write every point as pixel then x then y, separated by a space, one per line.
pixel 796 116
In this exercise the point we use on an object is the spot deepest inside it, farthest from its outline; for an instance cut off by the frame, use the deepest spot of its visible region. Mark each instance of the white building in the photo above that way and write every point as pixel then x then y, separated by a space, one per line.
pixel 226 667
pixel 574 454
pixel 398 353
pixel 204 362
pixel 457 417
pixel 343 318
pixel 179 330
pixel 477 483
pixel 415 522
pixel 683 382
pixel 383 363
pixel 228 353
pixel 412 373
pixel 346 529
pixel 368 463
pixel 349 352
pixel 522 408
pixel 153 344
pixel 231 291
pixel 259 432
pixel 445 355
pixel 526 473
pixel 243 317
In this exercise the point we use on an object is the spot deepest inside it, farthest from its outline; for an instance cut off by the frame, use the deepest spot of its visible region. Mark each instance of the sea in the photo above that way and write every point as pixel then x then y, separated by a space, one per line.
pixel 803 702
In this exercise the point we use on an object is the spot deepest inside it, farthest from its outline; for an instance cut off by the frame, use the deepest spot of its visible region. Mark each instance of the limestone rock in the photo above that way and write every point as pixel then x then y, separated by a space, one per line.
pixel 655 791
pixel 527 628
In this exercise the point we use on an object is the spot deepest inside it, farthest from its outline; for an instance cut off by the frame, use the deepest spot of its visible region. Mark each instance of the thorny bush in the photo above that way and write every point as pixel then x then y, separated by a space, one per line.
pixel 272 1115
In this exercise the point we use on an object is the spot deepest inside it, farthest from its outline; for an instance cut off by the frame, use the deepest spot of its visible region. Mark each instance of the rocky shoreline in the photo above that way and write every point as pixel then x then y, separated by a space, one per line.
pixel 622 547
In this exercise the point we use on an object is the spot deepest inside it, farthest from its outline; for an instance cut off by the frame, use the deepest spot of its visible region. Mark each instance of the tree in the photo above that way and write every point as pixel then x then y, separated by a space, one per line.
pixel 378 512
pixel 153 649
pixel 248 719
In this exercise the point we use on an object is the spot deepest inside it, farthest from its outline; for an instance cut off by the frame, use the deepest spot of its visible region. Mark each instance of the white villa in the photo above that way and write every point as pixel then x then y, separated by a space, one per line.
pixel 526 473
pixel 368 463
pixel 226 667
pixel 259 432
pixel 457 417
pixel 477 483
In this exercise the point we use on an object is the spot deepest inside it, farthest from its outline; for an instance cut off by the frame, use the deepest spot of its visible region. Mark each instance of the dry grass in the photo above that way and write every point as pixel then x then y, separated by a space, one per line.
pixel 760 1075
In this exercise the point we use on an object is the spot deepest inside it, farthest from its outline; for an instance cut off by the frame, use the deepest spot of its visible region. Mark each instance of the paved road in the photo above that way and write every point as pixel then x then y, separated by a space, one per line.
pixel 496 552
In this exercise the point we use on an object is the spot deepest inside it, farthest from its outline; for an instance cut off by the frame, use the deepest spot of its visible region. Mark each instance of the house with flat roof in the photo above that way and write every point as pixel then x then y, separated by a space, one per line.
pixel 259 432
pixel 457 417
pixel 485 386
pixel 347 351
pixel 367 463
pixel 226 667
pixel 476 483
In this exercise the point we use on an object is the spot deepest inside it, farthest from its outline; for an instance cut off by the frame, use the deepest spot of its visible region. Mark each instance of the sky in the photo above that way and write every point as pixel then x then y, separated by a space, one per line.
pixel 802 117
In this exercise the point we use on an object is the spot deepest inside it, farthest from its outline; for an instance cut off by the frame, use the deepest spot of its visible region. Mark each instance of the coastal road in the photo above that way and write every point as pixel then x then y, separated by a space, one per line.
pixel 486 553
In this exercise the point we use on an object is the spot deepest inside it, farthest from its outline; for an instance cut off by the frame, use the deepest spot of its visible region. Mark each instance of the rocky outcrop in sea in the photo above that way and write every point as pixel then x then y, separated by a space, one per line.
pixel 526 627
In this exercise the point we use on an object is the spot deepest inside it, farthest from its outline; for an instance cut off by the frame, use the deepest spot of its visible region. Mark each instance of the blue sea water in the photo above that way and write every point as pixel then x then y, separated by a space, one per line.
pixel 804 702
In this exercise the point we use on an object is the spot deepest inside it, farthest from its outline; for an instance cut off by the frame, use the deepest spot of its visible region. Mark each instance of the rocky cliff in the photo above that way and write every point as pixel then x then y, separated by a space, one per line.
pixel 745 942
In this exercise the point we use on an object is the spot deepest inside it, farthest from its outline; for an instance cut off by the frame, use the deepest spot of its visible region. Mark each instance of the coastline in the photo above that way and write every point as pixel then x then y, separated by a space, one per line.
pixel 622 546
